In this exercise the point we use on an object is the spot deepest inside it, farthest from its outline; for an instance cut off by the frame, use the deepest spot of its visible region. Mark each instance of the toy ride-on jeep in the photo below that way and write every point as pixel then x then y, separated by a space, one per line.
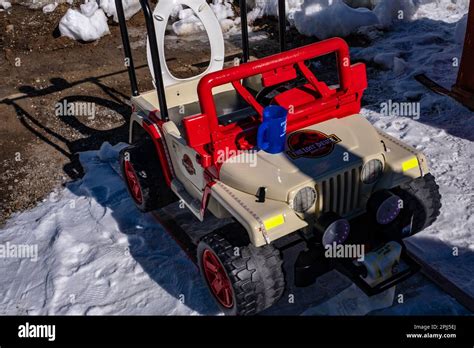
pixel 284 156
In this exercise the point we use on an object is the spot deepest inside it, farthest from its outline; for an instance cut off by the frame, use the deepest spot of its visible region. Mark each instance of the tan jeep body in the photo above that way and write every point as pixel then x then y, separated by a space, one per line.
pixel 335 176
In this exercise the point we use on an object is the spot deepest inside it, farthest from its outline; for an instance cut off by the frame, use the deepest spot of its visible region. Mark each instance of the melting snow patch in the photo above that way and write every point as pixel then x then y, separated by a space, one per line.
pixel 50 7
pixel 325 18
pixel 188 23
pixel 338 19
pixel 390 11
pixel 130 8
pixel 87 25
pixel 5 4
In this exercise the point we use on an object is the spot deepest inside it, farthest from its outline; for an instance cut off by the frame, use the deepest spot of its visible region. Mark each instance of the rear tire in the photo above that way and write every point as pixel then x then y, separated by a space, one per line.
pixel 142 172
pixel 253 276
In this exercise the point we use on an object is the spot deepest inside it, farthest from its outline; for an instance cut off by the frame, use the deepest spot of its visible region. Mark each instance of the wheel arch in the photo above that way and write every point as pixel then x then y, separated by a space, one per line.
pixel 144 128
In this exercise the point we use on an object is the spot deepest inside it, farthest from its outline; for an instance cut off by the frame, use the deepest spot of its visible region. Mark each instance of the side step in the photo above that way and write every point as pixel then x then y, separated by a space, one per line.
pixel 192 203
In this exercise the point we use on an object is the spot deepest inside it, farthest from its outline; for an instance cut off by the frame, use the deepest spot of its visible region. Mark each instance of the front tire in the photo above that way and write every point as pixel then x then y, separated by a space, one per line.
pixel 243 280
pixel 421 204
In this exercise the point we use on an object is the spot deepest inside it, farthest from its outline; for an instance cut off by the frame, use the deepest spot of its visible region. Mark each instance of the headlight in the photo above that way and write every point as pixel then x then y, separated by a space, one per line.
pixel 372 171
pixel 331 228
pixel 304 199
pixel 337 232
pixel 384 206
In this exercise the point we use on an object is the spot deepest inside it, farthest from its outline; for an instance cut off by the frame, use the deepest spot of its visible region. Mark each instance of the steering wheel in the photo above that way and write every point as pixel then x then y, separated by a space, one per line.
pixel 266 94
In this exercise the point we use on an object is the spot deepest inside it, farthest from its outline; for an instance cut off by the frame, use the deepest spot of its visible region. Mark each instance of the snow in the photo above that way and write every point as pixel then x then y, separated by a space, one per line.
pixel 270 7
pixel 444 131
pixel 336 20
pixel 50 7
pixel 222 9
pixel 130 8
pixel 97 254
pixel 88 24
pixel 326 18
pixel 352 301
pixel 5 4
pixel 187 26
pixel 89 8
pixel 390 11
pixel 443 10
pixel 187 23
pixel 460 31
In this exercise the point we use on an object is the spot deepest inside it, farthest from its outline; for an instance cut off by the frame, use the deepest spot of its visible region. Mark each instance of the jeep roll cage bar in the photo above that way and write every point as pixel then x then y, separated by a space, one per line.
pixel 150 26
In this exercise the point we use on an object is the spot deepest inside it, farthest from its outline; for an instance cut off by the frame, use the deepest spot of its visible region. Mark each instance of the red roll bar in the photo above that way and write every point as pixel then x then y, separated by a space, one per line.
pixel 267 64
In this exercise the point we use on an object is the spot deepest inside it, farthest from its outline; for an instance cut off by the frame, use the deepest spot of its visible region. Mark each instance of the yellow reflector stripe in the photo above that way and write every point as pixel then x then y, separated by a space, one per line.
pixel 274 222
pixel 410 164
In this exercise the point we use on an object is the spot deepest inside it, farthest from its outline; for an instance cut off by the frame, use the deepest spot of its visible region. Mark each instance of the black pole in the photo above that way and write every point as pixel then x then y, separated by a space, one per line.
pixel 160 89
pixel 282 24
pixel 126 47
pixel 245 31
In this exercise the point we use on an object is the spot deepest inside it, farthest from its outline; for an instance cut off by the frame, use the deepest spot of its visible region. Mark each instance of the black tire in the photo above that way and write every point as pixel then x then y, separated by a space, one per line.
pixel 255 274
pixel 143 159
pixel 421 202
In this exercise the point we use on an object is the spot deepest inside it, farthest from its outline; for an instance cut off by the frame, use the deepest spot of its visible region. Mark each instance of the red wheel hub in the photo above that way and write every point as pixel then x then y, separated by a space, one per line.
pixel 217 278
pixel 132 182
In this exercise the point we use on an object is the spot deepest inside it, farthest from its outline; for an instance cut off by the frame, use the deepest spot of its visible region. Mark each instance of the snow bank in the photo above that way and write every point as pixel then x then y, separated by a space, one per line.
pixel 262 8
pixel 442 10
pixel 87 25
pixel 50 7
pixel 5 4
pixel 90 23
pixel 338 19
pixel 130 8
pixel 222 9
pixel 188 23
pixel 389 11
pixel 325 18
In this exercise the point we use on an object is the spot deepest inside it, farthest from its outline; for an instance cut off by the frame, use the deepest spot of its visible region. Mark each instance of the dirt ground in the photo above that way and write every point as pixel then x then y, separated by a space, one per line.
pixel 38 69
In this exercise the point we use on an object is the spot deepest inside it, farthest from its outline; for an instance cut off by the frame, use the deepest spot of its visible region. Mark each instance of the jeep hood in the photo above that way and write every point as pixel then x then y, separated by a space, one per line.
pixel 310 155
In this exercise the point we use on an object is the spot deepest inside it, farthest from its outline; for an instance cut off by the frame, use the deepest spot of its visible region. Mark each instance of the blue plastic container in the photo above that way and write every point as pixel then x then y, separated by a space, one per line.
pixel 271 135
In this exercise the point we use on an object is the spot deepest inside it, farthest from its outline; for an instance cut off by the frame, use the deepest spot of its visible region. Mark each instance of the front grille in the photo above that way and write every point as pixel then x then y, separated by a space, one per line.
pixel 340 193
